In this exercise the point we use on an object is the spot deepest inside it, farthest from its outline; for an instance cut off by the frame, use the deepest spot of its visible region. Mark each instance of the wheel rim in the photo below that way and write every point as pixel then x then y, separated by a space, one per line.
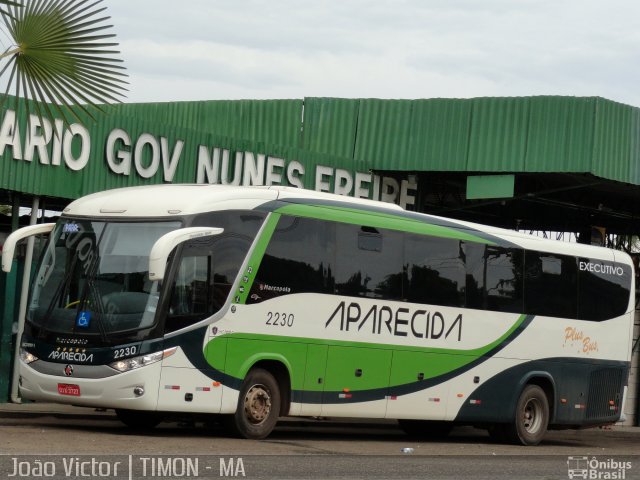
pixel 257 404
pixel 532 416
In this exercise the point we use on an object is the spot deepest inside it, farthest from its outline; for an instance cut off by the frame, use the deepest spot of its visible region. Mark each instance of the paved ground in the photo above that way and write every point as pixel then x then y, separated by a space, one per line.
pixel 356 436
pixel 302 449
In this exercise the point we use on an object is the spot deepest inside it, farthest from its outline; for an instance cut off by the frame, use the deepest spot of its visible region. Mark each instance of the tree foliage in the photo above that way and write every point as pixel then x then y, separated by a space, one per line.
pixel 62 56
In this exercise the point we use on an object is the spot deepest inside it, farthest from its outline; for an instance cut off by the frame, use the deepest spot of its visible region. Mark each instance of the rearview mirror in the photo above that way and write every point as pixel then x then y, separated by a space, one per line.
pixel 9 247
pixel 165 244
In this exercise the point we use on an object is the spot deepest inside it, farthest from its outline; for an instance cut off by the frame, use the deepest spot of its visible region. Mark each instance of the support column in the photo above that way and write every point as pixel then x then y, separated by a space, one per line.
pixel 24 294
pixel 8 314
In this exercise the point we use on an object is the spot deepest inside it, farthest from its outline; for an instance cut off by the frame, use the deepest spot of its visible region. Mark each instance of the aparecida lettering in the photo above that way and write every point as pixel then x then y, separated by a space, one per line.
pixel 76 357
pixel 399 322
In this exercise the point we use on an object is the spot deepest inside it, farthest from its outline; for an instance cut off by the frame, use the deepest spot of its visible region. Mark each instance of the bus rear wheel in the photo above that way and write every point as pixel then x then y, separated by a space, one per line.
pixel 532 417
pixel 258 406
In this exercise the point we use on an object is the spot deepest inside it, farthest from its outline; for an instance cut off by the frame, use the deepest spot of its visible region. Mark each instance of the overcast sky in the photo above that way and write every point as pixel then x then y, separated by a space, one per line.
pixel 231 49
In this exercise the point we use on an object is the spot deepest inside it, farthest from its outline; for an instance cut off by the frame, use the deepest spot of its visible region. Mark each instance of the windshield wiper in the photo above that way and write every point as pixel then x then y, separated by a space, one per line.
pixel 89 286
pixel 62 286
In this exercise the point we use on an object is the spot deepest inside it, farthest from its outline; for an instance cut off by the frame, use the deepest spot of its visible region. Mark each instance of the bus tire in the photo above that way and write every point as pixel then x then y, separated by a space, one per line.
pixel 426 428
pixel 258 406
pixel 531 417
pixel 138 419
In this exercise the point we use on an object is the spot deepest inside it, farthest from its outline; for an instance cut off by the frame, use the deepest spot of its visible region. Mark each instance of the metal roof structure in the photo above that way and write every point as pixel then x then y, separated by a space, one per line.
pixel 571 162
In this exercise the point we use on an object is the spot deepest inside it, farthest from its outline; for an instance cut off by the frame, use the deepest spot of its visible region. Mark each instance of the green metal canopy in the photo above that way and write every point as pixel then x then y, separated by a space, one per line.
pixel 571 151
pixel 519 134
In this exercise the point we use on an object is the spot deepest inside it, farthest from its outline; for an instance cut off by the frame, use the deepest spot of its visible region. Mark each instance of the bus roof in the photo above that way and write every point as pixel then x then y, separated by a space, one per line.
pixel 182 199
pixel 187 199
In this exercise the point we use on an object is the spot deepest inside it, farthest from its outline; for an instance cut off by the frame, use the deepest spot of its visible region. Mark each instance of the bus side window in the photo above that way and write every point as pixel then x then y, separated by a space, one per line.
pixel 473 254
pixel 209 266
pixel 494 277
pixel 504 279
pixel 603 295
pixel 192 294
pixel 299 259
pixel 369 262
pixel 551 285
pixel 435 271
pixel 229 252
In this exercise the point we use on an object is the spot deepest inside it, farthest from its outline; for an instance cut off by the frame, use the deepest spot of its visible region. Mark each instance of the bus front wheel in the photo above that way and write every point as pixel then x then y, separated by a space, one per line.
pixel 258 406
pixel 532 417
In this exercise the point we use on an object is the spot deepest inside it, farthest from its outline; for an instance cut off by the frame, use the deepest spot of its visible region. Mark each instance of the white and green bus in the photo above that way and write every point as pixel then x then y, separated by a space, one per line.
pixel 260 302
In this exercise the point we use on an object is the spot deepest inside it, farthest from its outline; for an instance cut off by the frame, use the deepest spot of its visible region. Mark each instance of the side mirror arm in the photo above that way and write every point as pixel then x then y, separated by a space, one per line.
pixel 9 247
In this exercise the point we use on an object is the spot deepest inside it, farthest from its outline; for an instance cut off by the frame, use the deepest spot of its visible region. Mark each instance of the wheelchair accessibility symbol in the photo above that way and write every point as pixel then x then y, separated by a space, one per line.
pixel 83 320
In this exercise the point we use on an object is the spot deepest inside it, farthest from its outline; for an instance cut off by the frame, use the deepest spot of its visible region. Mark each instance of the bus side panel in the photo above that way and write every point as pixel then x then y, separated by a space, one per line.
pixel 584 392
pixel 463 388
pixel 354 376
pixel 185 388
pixel 314 381
pixel 409 367
pixel 243 354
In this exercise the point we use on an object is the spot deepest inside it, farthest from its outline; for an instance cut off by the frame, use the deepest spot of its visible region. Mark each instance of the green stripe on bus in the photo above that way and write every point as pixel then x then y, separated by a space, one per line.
pixel 246 349
pixel 378 220
pixel 249 276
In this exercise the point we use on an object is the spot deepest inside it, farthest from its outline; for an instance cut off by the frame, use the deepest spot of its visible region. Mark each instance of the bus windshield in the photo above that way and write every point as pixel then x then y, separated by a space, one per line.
pixel 93 278
pixel 92 282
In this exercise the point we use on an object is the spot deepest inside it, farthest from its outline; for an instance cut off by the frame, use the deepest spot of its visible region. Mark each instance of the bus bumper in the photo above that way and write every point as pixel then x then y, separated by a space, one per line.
pixel 135 390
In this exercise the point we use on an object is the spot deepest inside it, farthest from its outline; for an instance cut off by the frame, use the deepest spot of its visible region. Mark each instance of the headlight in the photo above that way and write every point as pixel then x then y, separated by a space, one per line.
pixel 27 357
pixel 127 364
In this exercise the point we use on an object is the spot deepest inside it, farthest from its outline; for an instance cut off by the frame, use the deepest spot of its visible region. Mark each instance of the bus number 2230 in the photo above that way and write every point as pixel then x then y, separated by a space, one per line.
pixel 278 319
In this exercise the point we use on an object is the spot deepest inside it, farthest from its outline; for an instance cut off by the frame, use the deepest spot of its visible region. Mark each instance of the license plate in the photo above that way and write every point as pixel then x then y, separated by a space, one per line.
pixel 69 389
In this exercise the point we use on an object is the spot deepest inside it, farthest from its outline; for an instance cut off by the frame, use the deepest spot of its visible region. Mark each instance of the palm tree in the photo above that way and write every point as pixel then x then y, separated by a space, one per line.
pixel 59 57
